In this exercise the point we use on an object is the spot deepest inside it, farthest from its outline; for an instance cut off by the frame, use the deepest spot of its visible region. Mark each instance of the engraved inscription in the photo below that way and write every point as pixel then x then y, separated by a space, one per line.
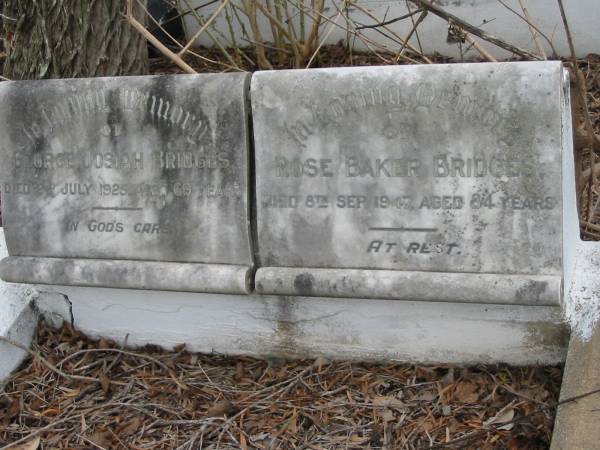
pixel 449 168
pixel 398 102
pixel 440 166
pixel 81 106
pixel 147 168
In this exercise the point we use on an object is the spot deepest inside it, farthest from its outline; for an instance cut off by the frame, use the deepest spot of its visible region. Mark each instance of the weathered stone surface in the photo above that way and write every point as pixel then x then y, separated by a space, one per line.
pixel 446 168
pixel 308 327
pixel 411 285
pixel 157 275
pixel 136 168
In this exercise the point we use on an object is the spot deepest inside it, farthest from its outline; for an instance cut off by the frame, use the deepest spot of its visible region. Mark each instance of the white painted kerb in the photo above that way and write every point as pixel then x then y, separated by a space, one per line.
pixel 17 319
pixel 490 15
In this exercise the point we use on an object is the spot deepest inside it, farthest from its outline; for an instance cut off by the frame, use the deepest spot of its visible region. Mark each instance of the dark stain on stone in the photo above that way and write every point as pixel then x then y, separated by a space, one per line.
pixel 171 215
pixel 114 118
pixel 548 335
pixel 303 284
pixel 531 292
pixel 287 334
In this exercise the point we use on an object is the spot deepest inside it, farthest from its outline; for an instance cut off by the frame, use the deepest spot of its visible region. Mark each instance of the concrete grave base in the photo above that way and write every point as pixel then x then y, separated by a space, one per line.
pixel 576 423
pixel 358 329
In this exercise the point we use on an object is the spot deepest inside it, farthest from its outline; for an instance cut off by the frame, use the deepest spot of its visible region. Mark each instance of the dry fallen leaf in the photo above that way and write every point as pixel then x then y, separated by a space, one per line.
pixel 320 362
pixel 101 438
pixel 220 408
pixel 293 422
pixel 179 348
pixel 503 416
pixel 31 445
pixel 355 439
pixel 243 444
pixel 104 383
pixel 389 402
pixel 239 371
pixel 465 392
pixel 130 427
pixel 426 396
pixel 387 415
pixel 14 409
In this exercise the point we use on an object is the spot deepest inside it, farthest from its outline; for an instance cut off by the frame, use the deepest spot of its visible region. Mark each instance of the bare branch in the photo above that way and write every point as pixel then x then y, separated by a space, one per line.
pixel 389 22
pixel 323 40
pixel 487 55
pixel 412 31
pixel 457 21
pixel 535 33
pixel 581 88
pixel 204 27
pixel 154 41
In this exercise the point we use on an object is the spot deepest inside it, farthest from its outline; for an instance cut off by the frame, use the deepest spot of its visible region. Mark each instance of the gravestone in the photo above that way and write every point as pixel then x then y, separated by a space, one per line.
pixel 438 182
pixel 391 213
pixel 138 182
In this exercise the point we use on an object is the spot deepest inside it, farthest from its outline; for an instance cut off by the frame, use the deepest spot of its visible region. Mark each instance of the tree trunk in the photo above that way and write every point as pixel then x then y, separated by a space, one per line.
pixel 71 38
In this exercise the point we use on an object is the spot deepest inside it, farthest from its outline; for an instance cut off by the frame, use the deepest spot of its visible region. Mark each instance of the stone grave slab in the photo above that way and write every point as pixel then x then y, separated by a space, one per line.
pixel 412 182
pixel 131 182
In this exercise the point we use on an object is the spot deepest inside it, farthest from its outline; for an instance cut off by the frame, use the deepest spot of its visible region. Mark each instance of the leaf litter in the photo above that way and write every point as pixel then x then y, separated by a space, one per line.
pixel 80 393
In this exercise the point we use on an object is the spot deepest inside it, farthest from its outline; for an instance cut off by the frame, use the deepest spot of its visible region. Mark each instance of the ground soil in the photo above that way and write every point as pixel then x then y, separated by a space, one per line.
pixel 79 393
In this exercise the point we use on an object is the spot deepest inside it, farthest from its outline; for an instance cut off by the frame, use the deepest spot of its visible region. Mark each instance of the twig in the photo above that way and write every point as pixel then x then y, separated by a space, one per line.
pixel 216 41
pixel 189 11
pixel 482 51
pixel 49 365
pixel 571 44
pixel 5 17
pixel 534 30
pixel 323 40
pixel 56 423
pixel 578 397
pixel 250 11
pixel 313 36
pixel 389 22
pixel 408 44
pixel 178 44
pixel 517 420
pixel 586 174
pixel 282 29
pixel 412 19
pixel 366 41
pixel 412 31
pixel 40 430
pixel 582 92
pixel 203 28
pixel 426 4
pixel 89 441
pixel 116 350
pixel 154 41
